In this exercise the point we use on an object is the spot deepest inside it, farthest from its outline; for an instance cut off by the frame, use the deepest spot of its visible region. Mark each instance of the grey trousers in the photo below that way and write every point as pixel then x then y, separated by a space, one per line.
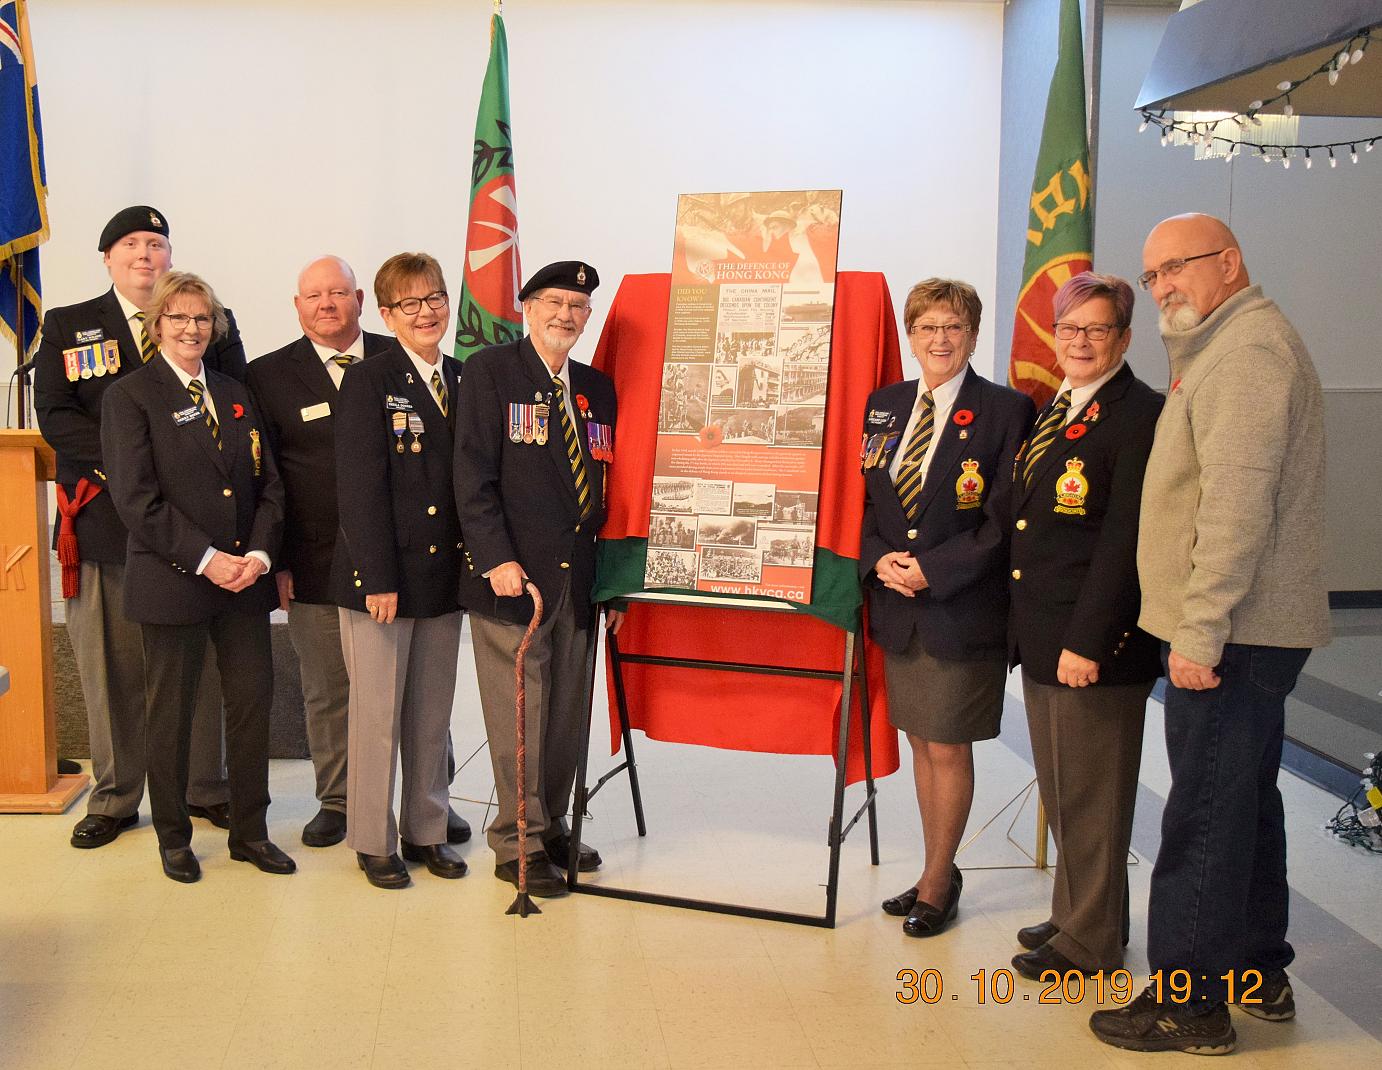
pixel 1087 748
pixel 402 686
pixel 110 663
pixel 316 634
pixel 555 682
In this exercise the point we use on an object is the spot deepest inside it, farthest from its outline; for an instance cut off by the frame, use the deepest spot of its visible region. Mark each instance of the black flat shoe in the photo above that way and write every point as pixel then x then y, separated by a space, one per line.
pixel 439 859
pixel 1033 936
pixel 327 829
pixel 97 830
pixel 544 879
pixel 384 871
pixel 265 856
pixel 218 814
pixel 559 851
pixel 900 905
pixel 925 920
pixel 1045 959
pixel 457 827
pixel 180 864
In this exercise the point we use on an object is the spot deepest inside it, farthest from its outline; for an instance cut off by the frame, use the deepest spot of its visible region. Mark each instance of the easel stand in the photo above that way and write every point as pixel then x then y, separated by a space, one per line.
pixel 837 829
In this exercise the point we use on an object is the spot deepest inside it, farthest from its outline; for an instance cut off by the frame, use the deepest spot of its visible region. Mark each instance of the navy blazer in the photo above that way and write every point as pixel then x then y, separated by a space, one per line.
pixel 178 494
pixel 1074 541
pixel 960 544
pixel 517 500
pixel 289 386
pixel 398 531
pixel 69 410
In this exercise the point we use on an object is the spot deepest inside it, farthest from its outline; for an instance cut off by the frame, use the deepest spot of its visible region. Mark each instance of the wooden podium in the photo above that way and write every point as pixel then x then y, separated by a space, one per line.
pixel 29 779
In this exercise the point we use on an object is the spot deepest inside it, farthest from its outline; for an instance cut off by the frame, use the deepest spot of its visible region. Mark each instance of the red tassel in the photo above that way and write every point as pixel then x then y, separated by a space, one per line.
pixel 69 555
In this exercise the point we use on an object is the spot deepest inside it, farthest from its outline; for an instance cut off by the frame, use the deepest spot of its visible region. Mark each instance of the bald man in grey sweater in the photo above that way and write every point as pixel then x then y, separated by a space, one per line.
pixel 1229 554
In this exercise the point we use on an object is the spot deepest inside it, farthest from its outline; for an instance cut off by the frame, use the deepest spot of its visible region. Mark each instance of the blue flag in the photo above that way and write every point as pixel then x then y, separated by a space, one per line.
pixel 23 183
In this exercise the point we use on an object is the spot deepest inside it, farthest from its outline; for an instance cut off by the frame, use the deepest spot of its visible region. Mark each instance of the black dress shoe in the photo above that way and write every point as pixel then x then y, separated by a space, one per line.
pixel 97 830
pixel 925 920
pixel 457 827
pixel 1033 936
pixel 325 830
pixel 544 879
pixel 559 851
pixel 439 859
pixel 900 905
pixel 180 864
pixel 1045 959
pixel 265 855
pixel 217 813
pixel 384 871
pixel 67 767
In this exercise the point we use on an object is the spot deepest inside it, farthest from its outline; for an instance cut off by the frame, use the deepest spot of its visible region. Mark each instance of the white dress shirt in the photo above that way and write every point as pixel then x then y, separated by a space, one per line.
pixel 943 399
pixel 356 349
pixel 1080 395
pixel 425 370
pixel 131 310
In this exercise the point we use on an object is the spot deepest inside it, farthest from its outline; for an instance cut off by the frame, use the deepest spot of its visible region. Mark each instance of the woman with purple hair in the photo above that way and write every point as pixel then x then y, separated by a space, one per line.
pixel 1087 668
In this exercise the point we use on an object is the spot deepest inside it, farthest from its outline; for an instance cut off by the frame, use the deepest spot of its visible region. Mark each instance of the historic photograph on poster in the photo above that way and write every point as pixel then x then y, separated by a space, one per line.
pixel 726 531
pixel 673 494
pixel 746 374
pixel 685 392
pixel 722 382
pixel 754 499
pixel 728 563
pixel 804 426
pixel 713 496
pixel 786 546
pixel 671 568
pixel 795 506
pixel 804 384
pixel 674 532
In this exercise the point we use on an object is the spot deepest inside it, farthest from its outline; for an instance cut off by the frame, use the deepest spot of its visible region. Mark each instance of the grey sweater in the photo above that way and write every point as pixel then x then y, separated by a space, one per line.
pixel 1232 530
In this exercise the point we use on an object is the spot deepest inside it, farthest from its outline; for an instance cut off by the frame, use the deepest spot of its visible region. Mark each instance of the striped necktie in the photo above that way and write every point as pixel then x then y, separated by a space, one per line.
pixel 439 388
pixel 573 448
pixel 146 344
pixel 343 360
pixel 198 393
pixel 1045 434
pixel 909 479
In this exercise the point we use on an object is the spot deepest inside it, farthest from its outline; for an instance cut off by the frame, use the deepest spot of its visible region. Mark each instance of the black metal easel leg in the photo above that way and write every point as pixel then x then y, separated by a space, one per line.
pixel 579 793
pixel 836 836
pixel 867 732
pixel 622 704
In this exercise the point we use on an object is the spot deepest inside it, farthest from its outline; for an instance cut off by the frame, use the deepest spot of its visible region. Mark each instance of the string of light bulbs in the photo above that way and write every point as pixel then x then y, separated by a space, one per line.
pixel 1239 141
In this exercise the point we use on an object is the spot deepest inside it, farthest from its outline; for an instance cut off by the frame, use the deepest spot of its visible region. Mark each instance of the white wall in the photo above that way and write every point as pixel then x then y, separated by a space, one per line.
pixel 270 132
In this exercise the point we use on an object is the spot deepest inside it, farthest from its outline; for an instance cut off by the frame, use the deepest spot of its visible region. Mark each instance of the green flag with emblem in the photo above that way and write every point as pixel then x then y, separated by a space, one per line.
pixel 488 310
pixel 1059 220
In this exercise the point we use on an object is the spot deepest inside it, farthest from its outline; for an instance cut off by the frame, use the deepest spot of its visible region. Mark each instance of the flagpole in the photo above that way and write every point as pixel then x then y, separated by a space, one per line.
pixel 20 345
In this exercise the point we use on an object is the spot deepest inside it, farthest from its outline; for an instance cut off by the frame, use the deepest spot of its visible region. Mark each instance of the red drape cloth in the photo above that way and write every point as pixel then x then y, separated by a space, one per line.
pixel 735 711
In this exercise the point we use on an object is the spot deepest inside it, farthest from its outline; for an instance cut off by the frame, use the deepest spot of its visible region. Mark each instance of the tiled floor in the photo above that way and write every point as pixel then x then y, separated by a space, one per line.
pixel 104 962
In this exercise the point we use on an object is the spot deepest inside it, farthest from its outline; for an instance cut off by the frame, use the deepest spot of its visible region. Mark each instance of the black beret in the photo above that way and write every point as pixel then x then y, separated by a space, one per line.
pixel 564 275
pixel 128 220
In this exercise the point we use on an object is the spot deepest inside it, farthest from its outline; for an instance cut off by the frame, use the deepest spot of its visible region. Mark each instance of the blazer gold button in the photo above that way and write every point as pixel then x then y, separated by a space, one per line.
pixel 578 527
pixel 237 542
pixel 1022 525
pixel 357 583
pixel 1017 573
pixel 431 510
pixel 1127 635
pixel 431 549
pixel 226 492
pixel 566 564
pixel 911 533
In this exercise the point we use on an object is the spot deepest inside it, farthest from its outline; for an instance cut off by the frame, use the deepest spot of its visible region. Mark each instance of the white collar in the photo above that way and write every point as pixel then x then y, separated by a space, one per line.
pixel 943 397
pixel 1080 395
pixel 355 349
pixel 128 307
pixel 183 377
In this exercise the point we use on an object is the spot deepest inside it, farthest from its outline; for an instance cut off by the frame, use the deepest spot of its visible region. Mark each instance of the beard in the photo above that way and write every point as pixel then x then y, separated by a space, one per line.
pixel 1180 316
pixel 557 341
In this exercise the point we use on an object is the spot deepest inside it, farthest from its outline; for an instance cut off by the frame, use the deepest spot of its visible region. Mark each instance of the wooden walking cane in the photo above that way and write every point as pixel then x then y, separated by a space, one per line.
pixel 523 904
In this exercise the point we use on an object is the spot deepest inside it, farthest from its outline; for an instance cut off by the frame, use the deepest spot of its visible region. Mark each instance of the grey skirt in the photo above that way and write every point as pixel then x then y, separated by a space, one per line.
pixel 944 701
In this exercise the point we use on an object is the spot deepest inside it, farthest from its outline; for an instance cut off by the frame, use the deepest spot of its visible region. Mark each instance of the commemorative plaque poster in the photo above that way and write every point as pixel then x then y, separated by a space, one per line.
pixel 742 411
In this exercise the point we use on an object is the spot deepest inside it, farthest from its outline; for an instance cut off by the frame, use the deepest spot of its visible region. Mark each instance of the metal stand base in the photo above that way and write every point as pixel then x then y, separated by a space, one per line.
pixel 837 829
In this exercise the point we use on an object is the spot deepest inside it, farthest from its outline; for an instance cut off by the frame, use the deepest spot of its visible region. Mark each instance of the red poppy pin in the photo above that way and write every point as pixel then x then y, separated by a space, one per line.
pixel 712 435
pixel 1075 430
pixel 963 418
pixel 1091 414
pixel 238 410
pixel 583 404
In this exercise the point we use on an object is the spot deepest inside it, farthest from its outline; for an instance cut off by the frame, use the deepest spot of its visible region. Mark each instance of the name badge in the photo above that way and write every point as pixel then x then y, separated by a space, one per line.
pixel 397 404
pixel 315 412
pixel 96 334
pixel 187 415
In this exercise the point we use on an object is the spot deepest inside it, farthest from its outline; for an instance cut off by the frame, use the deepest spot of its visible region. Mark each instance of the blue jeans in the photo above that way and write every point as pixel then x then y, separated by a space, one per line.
pixel 1219 899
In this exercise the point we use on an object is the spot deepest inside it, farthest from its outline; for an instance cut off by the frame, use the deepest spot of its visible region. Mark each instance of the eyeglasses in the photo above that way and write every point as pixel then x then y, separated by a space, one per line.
pixel 1170 269
pixel 180 321
pixel 1095 332
pixel 556 304
pixel 411 306
pixel 928 330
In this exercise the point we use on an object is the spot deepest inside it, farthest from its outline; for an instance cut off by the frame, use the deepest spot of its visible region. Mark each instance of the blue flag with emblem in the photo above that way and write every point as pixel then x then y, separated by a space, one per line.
pixel 23 183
